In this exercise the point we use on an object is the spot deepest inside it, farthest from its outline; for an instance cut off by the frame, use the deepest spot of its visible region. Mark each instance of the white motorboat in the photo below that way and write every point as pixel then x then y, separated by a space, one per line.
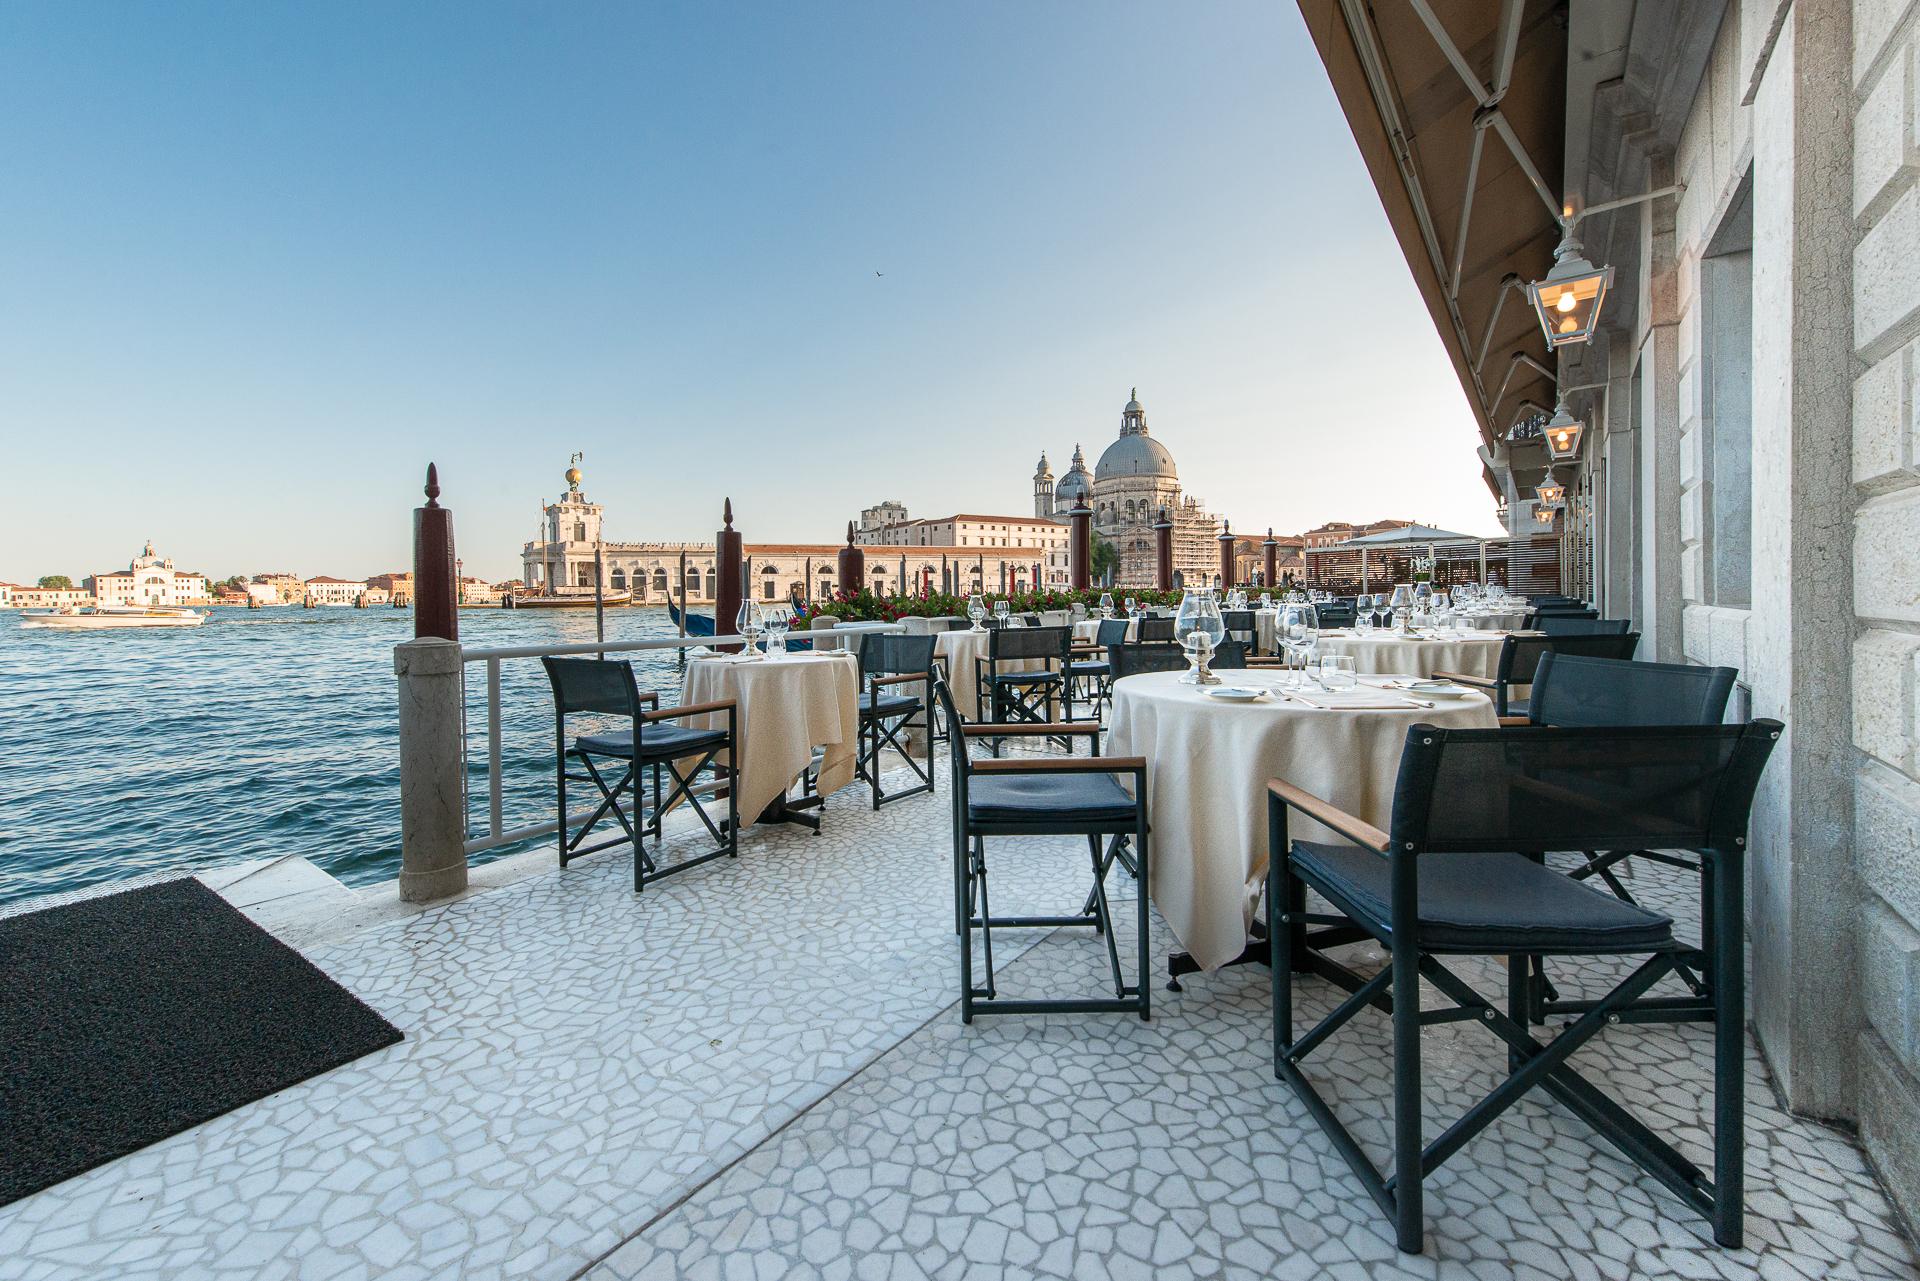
pixel 101 617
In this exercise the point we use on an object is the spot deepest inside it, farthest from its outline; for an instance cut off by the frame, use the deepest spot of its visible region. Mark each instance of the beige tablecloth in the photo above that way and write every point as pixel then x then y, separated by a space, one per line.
pixel 787 707
pixel 1208 763
pixel 1469 653
pixel 1089 630
pixel 959 650
pixel 1504 621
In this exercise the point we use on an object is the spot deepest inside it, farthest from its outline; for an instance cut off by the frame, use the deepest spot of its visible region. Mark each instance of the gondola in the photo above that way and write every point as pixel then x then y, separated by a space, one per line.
pixel 701 625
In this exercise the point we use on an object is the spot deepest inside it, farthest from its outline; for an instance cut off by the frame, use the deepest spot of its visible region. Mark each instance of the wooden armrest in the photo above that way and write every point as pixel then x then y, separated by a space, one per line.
pixel 1061 765
pixel 904 678
pixel 690 709
pixel 1460 678
pixel 650 700
pixel 1026 729
pixel 1359 831
pixel 1509 722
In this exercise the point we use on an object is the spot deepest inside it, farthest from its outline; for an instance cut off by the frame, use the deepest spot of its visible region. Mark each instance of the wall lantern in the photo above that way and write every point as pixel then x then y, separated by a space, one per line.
pixel 1568 301
pixel 1551 492
pixel 1563 432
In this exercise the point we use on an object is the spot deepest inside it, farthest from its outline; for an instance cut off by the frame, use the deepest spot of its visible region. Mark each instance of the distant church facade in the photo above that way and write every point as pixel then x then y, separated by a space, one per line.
pixel 1127 489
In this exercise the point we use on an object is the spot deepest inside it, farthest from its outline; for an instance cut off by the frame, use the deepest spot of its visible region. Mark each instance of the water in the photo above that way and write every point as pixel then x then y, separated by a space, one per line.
pixel 262 733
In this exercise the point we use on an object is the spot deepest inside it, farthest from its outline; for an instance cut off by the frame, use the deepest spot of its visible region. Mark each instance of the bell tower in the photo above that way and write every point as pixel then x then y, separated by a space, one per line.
pixel 1043 490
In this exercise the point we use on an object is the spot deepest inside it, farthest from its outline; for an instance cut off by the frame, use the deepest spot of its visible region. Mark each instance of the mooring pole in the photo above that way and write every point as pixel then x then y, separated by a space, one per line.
pixel 727 563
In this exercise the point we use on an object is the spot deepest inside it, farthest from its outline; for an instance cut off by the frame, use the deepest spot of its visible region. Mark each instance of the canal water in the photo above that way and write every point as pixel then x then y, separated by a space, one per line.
pixel 263 732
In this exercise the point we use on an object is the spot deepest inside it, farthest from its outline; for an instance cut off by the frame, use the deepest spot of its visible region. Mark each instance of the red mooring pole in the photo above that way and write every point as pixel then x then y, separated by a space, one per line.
pixel 434 582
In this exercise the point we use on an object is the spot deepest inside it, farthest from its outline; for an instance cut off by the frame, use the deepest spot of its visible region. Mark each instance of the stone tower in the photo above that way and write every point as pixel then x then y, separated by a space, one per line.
pixel 1043 490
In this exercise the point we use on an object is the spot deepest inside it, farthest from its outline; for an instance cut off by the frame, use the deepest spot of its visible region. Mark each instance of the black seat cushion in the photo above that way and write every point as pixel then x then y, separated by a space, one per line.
pixel 660 742
pixel 1485 903
pixel 887 704
pixel 1029 798
pixel 1091 667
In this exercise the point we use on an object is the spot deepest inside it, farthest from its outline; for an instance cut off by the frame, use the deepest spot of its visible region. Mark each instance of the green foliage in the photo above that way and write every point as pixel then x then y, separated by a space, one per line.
pixel 866 606
pixel 1103 557
pixel 56 582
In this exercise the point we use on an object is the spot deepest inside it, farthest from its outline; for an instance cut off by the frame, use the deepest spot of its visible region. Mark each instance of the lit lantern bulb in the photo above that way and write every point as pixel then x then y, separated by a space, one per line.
pixel 1566 302
pixel 1567 326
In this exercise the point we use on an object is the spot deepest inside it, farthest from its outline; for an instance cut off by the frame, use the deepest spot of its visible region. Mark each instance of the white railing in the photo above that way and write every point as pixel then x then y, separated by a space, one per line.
pixel 495 835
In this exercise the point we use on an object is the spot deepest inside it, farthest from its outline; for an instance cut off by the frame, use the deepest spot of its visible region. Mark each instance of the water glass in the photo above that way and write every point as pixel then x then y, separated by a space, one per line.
pixel 977 611
pixel 1337 671
pixel 1106 604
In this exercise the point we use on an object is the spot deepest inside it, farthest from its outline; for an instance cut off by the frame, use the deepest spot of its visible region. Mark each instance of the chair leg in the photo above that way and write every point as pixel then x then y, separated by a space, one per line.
pixel 986 909
pixel 1103 919
pixel 1728 986
pixel 963 906
pixel 1408 1203
pixel 560 782
pixel 1519 1001
pixel 1141 910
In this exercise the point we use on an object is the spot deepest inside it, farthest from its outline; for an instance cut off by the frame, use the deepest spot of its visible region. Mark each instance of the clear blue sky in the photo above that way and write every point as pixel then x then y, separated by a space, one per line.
pixel 260 262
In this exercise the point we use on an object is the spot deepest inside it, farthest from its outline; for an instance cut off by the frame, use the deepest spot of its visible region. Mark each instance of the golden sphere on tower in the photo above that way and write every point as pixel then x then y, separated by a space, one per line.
pixel 573 477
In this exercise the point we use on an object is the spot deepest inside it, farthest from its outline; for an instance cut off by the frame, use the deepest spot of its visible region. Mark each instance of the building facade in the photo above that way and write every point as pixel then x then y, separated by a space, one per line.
pixel 149 580
pixel 323 590
pixel 888 524
pixel 286 589
pixel 1128 489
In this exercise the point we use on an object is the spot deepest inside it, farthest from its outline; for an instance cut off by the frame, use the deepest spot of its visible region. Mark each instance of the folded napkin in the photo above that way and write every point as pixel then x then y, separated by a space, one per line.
pixel 1355 699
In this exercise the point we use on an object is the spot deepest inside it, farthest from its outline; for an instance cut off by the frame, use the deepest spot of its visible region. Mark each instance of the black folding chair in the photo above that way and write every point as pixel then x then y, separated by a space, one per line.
pixel 888 666
pixel 1154 629
pixel 650 746
pixel 1543 612
pixel 1520 656
pixel 1044 796
pixel 1239 625
pixel 1336 613
pixel 1093 676
pixel 1131 658
pixel 1473 811
pixel 1014 692
pixel 1569 625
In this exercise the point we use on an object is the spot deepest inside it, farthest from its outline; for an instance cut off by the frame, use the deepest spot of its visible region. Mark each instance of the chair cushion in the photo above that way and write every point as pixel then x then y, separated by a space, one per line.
pixel 1485 903
pixel 887 704
pixel 659 742
pixel 1092 667
pixel 1030 798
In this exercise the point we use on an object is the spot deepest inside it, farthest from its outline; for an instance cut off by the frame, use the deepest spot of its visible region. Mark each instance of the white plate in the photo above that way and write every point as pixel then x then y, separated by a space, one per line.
pixel 1236 694
pixel 1427 690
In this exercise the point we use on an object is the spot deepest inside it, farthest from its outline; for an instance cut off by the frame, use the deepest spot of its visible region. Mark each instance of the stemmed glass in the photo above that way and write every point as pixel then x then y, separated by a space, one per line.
pixel 1106 604
pixel 1199 627
pixel 1133 607
pixel 1363 613
pixel 1000 611
pixel 747 623
pixel 1402 603
pixel 1299 636
pixel 777 625
pixel 977 611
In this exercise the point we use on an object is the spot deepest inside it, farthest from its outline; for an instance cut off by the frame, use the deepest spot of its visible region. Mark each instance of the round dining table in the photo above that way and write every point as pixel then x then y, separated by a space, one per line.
pixel 1387 652
pixel 1500 620
pixel 1208 763
pixel 788 705
pixel 1087 630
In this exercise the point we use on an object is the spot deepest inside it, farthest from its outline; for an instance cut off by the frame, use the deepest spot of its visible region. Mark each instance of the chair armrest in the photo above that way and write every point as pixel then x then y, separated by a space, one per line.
pixel 904 678
pixel 650 700
pixel 1062 765
pixel 1511 722
pixel 690 709
pixel 1025 729
pixel 1461 678
pixel 1359 831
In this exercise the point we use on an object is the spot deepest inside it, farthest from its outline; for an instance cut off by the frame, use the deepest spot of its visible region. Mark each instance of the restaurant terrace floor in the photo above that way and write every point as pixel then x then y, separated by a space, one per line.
pixel 756 1069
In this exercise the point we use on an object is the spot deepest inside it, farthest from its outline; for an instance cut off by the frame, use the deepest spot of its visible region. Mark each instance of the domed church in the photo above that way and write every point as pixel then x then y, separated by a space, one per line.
pixel 1127 489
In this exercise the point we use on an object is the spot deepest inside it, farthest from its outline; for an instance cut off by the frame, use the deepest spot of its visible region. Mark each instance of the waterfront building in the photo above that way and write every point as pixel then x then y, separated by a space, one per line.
pixel 888 524
pixel 286 589
pixel 476 591
pixel 398 586
pixel 1134 481
pixel 50 597
pixel 562 561
pixel 323 590
pixel 6 594
pixel 149 579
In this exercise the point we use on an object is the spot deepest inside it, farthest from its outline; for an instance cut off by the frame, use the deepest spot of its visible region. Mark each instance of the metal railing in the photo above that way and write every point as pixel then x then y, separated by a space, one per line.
pixel 495 836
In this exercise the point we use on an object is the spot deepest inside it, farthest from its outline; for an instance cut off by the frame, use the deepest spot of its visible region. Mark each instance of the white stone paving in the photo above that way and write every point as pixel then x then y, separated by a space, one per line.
pixel 753 1070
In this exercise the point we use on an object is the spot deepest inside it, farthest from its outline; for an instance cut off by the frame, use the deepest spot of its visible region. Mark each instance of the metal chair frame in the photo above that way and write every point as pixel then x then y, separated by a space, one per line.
pixel 886 662
pixel 1027 697
pixel 1520 658
pixel 630 703
pixel 972 906
pixel 1395 990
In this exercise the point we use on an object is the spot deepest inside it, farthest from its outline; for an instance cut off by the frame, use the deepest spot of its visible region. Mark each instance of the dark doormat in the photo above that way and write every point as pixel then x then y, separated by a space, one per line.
pixel 131 1017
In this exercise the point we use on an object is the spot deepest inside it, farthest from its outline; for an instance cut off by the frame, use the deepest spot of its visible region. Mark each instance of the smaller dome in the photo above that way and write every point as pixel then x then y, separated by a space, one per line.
pixel 574 475
pixel 1133 402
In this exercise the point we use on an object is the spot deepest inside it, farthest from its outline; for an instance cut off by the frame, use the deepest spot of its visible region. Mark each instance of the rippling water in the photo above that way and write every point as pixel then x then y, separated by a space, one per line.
pixel 264 732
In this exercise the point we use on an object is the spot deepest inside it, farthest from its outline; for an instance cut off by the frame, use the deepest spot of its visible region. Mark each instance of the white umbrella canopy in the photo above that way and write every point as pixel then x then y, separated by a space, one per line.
pixel 1411 534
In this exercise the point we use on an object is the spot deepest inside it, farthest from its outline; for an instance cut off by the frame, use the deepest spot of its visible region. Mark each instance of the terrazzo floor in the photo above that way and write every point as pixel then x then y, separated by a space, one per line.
pixel 754 1070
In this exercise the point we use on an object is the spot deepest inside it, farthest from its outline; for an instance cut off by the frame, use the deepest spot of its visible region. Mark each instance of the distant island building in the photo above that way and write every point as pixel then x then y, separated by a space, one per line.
pixel 149 580
pixel 1134 481
pixel 323 590
pixel 559 563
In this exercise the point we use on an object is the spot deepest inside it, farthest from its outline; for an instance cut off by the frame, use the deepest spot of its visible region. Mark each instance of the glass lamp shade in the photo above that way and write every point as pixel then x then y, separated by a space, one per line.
pixel 1563 434
pixel 1568 301
pixel 1551 492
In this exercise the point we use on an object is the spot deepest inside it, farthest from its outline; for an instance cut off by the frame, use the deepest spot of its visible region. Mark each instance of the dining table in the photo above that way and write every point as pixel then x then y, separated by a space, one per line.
pixel 959 652
pixel 1496 620
pixel 1087 630
pixel 1387 651
pixel 790 708
pixel 1209 760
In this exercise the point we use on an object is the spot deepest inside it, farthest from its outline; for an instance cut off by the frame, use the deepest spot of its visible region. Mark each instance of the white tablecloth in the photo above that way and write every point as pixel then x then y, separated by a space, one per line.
pixel 1469 653
pixel 1504 621
pixel 787 707
pixel 1208 763
pixel 1089 630
pixel 959 650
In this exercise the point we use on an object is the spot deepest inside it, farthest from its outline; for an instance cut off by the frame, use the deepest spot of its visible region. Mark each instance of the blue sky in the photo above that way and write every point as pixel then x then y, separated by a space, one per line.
pixel 260 262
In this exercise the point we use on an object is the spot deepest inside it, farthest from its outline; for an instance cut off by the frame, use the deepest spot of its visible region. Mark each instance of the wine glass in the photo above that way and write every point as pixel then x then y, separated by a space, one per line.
pixel 1199 627
pixel 777 625
pixel 1299 635
pixel 1133 608
pixel 1363 613
pixel 1402 604
pixel 977 611
pixel 1000 611
pixel 1106 604
pixel 747 623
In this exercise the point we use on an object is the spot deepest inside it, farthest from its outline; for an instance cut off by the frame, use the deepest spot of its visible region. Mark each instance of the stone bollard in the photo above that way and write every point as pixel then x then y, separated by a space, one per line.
pixel 433 821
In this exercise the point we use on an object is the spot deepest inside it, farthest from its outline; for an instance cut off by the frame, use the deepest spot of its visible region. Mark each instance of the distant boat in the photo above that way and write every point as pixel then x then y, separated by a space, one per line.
pixel 77 618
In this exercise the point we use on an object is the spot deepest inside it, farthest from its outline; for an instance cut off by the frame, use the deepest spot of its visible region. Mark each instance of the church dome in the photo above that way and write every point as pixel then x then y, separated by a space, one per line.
pixel 1132 455
pixel 1076 483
